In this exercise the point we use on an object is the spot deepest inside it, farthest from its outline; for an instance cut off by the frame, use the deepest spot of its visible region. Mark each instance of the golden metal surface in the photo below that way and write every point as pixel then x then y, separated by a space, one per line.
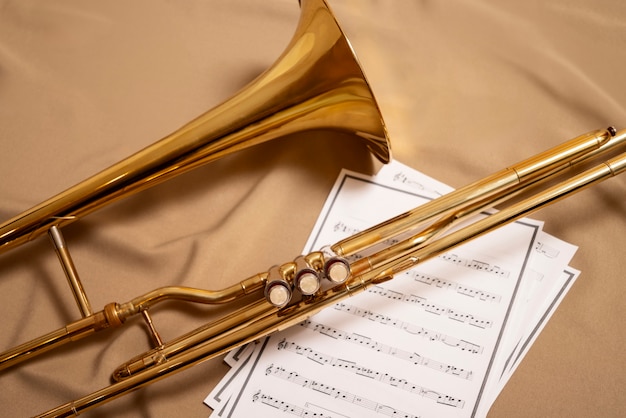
pixel 316 84
pixel 501 183
pixel 70 271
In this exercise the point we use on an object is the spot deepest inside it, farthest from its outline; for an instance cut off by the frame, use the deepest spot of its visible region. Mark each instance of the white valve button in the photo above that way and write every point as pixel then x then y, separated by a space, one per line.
pixel 337 270
pixel 278 294
pixel 308 282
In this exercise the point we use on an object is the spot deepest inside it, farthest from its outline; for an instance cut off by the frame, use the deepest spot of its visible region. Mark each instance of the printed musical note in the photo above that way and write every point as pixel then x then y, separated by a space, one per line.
pixel 410 328
pixel 449 284
pixel 286 407
pixel 368 342
pixel 402 178
pixel 431 307
pixel 405 179
pixel 345 229
pixel 333 392
pixel 369 373
pixel 475 265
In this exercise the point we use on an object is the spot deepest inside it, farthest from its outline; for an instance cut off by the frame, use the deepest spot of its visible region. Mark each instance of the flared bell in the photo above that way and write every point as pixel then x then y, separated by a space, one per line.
pixel 316 84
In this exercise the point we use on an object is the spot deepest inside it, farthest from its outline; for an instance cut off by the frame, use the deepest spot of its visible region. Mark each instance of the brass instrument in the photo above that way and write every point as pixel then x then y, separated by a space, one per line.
pixel 316 84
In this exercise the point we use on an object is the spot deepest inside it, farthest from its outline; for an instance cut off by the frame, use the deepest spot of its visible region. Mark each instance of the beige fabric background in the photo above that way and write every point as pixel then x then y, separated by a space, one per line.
pixel 466 88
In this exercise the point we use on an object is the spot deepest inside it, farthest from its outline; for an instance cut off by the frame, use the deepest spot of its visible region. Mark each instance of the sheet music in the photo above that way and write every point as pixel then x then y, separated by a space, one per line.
pixel 434 341
pixel 535 323
pixel 545 283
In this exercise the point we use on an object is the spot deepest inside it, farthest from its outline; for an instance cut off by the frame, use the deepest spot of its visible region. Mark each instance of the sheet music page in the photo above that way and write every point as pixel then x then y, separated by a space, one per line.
pixel 426 354
pixel 304 361
pixel 537 320
pixel 546 281
pixel 548 273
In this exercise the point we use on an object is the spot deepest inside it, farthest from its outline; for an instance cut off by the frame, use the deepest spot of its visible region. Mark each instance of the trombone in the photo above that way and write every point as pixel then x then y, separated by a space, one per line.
pixel 316 84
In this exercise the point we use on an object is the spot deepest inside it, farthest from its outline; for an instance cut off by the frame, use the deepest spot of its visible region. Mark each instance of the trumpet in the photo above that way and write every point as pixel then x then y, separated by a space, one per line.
pixel 317 84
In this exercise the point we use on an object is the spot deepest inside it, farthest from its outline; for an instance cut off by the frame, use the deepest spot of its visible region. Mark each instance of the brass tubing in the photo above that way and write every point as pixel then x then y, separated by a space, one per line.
pixel 407 255
pixel 241 334
pixel 154 334
pixel 190 294
pixel 256 310
pixel 116 314
pixel 251 330
pixel 72 332
pixel 615 143
pixel 446 222
pixel 70 271
pixel 533 168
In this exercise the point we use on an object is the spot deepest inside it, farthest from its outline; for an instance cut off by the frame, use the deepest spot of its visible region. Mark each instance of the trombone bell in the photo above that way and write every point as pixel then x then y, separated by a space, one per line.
pixel 316 84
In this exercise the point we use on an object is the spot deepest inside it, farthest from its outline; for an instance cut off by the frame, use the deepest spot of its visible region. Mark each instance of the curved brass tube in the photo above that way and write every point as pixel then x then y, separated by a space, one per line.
pixel 317 84
pixel 114 315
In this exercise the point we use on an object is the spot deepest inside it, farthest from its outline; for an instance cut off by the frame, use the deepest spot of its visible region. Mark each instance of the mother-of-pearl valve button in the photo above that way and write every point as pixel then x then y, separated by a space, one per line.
pixel 337 270
pixel 278 293
pixel 308 281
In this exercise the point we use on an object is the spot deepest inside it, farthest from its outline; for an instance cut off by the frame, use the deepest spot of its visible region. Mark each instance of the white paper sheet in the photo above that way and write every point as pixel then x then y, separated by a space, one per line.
pixel 438 340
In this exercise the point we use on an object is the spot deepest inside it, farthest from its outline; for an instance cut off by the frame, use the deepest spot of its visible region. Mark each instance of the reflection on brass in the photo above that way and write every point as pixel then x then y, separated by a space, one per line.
pixel 316 84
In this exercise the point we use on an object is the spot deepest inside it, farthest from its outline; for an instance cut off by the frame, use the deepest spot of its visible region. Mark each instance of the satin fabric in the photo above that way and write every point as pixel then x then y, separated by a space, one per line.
pixel 466 88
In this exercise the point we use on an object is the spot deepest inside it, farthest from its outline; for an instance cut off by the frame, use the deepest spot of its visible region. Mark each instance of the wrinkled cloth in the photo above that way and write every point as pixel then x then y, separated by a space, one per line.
pixel 466 88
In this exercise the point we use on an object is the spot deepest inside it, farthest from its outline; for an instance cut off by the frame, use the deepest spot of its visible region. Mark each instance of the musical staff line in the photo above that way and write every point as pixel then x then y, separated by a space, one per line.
pixel 294 377
pixel 368 342
pixel 449 284
pixel 432 307
pixel 410 328
pixel 475 264
pixel 283 406
pixel 401 177
pixel 353 367
pixel 344 228
pixel 348 230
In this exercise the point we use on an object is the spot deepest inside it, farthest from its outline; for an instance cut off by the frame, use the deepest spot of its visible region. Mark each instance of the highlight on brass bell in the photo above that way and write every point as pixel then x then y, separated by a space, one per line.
pixel 316 84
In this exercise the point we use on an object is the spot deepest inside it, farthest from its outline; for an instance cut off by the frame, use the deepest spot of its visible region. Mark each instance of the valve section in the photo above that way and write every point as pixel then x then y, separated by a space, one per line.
pixel 304 277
